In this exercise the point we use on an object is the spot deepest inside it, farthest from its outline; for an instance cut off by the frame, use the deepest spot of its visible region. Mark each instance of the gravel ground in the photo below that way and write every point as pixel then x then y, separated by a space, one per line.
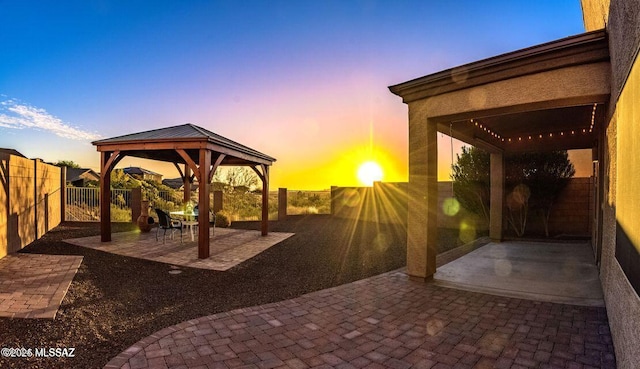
pixel 114 301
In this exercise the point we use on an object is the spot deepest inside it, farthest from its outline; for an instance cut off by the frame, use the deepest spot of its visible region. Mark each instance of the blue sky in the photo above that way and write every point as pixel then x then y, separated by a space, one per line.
pixel 303 81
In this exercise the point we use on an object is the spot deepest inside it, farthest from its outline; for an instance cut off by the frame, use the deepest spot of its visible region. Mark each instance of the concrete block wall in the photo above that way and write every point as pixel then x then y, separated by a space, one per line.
pixel 30 201
pixel 387 202
pixel 354 203
pixel 573 212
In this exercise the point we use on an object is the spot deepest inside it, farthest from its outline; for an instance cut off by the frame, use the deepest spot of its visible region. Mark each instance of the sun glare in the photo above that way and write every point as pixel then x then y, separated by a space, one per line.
pixel 369 172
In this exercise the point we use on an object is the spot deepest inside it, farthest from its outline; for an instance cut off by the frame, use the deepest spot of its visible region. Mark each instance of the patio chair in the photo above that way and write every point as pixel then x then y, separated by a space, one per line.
pixel 212 221
pixel 165 222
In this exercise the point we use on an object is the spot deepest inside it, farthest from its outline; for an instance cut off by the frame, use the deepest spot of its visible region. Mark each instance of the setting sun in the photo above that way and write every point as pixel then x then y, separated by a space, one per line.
pixel 369 172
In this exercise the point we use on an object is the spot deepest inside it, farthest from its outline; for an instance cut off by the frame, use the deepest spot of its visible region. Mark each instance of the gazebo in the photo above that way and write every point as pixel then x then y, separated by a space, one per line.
pixel 199 150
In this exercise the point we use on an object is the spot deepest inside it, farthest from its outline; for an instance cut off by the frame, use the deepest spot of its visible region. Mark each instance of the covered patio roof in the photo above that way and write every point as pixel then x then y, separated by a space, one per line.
pixel 524 100
pixel 199 150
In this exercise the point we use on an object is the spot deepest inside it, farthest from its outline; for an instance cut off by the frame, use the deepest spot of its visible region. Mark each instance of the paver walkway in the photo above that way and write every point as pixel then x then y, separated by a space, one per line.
pixel 228 247
pixel 386 321
pixel 34 285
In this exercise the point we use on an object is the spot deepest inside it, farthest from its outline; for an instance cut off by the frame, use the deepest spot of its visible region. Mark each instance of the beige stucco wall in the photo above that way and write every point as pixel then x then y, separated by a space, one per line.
pixel 621 168
pixel 554 88
pixel 22 217
pixel 624 41
pixel 623 207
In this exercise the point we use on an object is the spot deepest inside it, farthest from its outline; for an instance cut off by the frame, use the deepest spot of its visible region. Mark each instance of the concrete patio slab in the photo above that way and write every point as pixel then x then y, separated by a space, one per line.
pixel 387 321
pixel 228 247
pixel 34 285
pixel 556 272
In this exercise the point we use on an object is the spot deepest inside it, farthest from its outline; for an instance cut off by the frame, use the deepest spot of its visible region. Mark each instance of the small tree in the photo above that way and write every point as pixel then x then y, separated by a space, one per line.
pixel 533 181
pixel 241 178
pixel 67 163
pixel 471 180
pixel 236 185
pixel 550 178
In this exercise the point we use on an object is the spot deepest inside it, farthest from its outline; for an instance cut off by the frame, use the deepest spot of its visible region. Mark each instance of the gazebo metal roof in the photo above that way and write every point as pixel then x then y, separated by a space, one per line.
pixel 160 144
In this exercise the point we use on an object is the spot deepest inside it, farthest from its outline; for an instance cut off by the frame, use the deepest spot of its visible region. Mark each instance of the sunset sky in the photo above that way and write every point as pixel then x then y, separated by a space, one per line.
pixel 302 81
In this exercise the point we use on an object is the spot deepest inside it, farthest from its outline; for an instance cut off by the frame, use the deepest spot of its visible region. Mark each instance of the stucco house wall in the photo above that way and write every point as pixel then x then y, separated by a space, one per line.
pixel 620 260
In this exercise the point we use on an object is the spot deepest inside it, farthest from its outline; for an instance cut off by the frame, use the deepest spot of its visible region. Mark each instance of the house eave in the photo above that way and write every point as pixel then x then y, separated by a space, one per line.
pixel 585 48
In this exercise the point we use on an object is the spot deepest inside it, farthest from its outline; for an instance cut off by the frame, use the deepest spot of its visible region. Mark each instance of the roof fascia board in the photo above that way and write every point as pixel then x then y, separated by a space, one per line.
pixel 585 48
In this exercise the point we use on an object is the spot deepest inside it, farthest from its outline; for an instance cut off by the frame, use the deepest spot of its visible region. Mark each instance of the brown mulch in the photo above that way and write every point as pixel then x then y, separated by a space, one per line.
pixel 114 301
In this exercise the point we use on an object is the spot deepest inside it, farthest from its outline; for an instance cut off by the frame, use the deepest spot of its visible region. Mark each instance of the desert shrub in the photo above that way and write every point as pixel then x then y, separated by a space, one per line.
pixel 119 214
pixel 222 220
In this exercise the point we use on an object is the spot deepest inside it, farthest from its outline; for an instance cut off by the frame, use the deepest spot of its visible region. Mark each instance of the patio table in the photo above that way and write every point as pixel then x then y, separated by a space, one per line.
pixel 190 220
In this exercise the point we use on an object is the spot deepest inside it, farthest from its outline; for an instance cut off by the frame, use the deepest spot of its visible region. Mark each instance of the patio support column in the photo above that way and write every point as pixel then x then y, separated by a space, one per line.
pixel 203 203
pixel 496 176
pixel 422 196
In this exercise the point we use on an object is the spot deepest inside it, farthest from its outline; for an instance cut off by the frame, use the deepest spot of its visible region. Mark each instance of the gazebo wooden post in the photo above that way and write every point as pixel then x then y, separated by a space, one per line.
pixel 265 199
pixel 105 196
pixel 186 182
pixel 203 203
pixel 264 177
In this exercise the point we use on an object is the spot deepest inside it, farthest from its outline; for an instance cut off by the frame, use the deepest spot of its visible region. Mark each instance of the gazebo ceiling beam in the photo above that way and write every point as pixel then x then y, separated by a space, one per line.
pixel 215 166
pixel 112 159
pixel 192 164
pixel 179 170
pixel 192 147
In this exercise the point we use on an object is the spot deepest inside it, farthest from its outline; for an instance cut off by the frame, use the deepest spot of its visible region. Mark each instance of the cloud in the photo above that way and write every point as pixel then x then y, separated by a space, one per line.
pixel 16 115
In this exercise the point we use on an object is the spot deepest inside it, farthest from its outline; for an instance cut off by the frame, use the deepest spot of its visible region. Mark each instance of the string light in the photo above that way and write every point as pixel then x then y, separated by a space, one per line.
pixel 540 136
pixel 486 129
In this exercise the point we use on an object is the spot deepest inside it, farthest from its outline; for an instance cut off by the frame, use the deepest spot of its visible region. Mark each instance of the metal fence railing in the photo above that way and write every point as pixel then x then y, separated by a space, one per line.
pixel 83 204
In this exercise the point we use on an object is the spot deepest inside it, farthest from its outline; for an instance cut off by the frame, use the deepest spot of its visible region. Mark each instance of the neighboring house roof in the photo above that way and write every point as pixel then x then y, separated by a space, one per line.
pixel 174 183
pixel 140 171
pixel 76 174
pixel 12 152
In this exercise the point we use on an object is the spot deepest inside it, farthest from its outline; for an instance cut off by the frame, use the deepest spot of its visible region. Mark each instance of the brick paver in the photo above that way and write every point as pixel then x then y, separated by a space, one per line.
pixel 34 285
pixel 228 247
pixel 387 321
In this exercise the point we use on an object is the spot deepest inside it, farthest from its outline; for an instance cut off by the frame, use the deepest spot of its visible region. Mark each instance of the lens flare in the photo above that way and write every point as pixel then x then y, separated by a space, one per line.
pixel 369 172
pixel 450 206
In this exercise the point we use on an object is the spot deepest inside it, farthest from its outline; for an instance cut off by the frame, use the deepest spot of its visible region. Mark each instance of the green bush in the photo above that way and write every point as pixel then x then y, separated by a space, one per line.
pixel 222 220
pixel 120 215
